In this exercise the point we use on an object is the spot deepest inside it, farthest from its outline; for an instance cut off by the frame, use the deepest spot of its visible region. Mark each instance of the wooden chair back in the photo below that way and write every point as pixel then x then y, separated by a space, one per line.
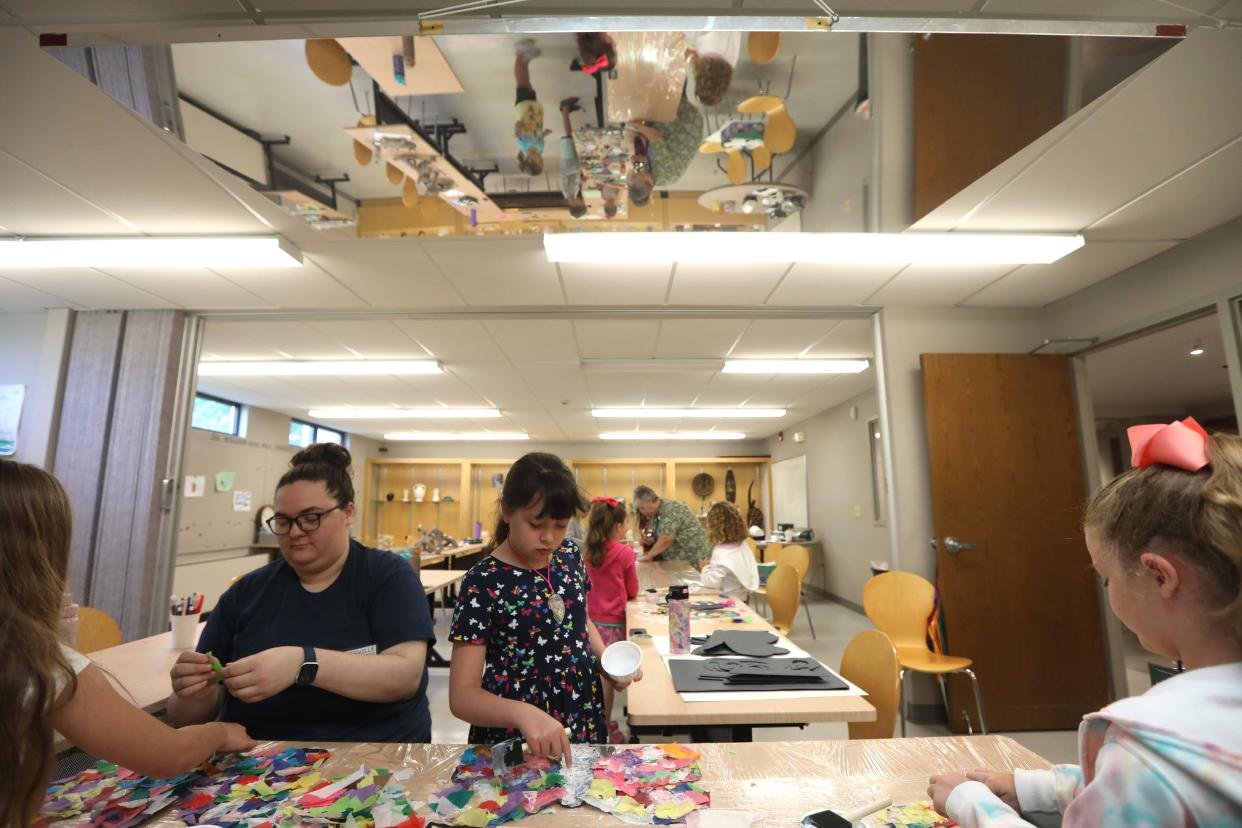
pixel 96 630
pixel 784 594
pixel 796 556
pixel 899 604
pixel 870 661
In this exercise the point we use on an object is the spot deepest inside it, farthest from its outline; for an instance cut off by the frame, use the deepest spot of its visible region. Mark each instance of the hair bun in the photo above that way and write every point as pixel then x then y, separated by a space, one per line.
pixel 328 454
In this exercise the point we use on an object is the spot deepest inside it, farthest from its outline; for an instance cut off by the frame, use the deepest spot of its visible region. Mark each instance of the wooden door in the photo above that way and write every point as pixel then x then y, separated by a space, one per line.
pixel 1007 477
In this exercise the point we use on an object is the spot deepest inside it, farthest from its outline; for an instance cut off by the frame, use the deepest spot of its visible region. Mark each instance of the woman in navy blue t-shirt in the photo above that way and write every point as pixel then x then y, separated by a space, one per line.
pixel 328 643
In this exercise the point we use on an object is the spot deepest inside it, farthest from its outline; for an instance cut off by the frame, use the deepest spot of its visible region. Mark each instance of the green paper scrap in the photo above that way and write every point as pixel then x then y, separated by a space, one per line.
pixel 216 667
pixel 224 481
pixel 461 798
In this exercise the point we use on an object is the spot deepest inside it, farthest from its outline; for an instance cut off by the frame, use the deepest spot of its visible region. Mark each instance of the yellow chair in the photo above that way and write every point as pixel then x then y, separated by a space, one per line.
pixel 762 156
pixel 329 61
pixel 96 631
pixel 800 559
pixel 779 129
pixel 870 661
pixel 784 591
pixel 763 46
pixel 754 550
pixel 736 165
pixel 409 193
pixel 899 603
pixel 395 175
pixel 771 551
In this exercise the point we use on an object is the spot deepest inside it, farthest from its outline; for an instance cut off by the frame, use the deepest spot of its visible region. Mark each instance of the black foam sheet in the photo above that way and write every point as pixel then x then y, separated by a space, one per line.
pixel 728 675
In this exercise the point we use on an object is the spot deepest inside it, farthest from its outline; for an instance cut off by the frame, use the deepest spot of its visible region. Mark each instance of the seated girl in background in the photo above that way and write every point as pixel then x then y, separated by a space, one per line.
pixel 525 655
pixel 731 567
pixel 46 686
pixel 1166 540
pixel 614 581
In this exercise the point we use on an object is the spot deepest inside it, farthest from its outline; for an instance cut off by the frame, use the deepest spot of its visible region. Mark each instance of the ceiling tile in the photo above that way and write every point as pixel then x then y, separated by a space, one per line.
pixel 19 297
pixel 1038 285
pixel 936 285
pixel 196 289
pixel 541 340
pixel 88 289
pixel 722 284
pixel 615 284
pixel 453 341
pixel 552 379
pixel 393 273
pixel 271 340
pixel 830 285
pixel 851 338
pixel 497 272
pixel 295 288
pixel 37 206
pixel 370 339
pixel 617 339
pixel 698 338
pixel 781 338
pixel 491 379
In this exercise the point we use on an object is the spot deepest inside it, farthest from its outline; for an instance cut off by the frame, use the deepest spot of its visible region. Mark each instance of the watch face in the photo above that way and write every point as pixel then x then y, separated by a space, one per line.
pixel 307 673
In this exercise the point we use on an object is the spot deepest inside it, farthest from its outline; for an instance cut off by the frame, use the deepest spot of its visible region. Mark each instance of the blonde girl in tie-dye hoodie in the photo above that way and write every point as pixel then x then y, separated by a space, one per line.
pixel 1166 540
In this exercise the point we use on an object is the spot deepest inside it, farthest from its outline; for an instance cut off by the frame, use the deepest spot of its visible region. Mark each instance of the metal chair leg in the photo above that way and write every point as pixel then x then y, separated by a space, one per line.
pixel 983 723
pixel 808 615
pixel 944 694
pixel 901 700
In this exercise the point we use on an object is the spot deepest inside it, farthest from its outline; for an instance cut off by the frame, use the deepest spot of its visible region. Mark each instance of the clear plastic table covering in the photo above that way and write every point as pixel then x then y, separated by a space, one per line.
pixel 780 780
pixel 661 575
pixel 651 73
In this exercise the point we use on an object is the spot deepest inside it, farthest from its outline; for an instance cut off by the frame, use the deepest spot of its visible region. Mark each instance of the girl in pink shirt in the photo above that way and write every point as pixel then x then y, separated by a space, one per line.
pixel 613 579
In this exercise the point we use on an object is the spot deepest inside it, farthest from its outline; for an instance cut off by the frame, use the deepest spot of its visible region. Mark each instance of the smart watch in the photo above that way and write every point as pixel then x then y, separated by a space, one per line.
pixel 309 668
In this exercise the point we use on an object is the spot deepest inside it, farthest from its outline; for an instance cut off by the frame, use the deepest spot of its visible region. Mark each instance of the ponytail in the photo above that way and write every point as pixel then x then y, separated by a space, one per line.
pixel 603 518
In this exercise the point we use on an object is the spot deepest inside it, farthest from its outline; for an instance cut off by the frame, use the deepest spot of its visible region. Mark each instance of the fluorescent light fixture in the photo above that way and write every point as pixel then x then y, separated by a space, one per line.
pixel 832 248
pixel 294 368
pixel 443 436
pixel 1197 348
pixel 688 413
pixel 672 435
pixel 795 366
pixel 151 252
pixel 350 413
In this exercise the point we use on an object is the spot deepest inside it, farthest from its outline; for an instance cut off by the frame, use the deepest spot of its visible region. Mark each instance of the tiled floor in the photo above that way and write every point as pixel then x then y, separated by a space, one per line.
pixel 835 625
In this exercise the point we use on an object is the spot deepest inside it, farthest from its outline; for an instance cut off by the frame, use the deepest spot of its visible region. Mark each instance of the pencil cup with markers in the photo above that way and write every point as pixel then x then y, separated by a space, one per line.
pixel 183 616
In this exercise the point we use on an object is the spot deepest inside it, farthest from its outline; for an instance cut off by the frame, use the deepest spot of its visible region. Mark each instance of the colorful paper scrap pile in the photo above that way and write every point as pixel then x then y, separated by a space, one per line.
pixel 113 796
pixel 917 815
pixel 651 784
pixel 363 799
pixel 477 797
pixel 249 789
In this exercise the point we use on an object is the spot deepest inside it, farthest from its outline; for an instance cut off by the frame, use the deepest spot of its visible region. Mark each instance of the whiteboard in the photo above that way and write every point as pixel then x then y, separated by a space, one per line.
pixel 789 499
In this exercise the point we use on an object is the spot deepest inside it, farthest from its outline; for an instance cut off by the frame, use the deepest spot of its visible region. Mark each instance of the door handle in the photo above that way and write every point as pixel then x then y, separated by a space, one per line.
pixel 952 545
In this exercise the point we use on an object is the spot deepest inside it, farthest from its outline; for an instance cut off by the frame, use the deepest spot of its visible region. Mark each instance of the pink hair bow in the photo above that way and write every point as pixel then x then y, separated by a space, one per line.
pixel 611 501
pixel 1182 445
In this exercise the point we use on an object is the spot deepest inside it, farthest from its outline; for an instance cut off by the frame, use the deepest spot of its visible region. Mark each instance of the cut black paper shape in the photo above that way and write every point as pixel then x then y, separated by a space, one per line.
pixel 750 643
pixel 722 675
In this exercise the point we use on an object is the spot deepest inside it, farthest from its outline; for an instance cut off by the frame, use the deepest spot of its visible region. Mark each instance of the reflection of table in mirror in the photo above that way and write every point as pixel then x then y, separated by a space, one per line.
pixel 430 74
pixel 731 198
pixel 651 74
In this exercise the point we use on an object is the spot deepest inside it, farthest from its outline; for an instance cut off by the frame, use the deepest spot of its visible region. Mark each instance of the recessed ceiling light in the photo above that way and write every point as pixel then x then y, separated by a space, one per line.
pixel 795 366
pixel 144 251
pixel 350 413
pixel 844 248
pixel 672 435
pixel 688 413
pixel 296 368
pixel 441 436
pixel 1197 350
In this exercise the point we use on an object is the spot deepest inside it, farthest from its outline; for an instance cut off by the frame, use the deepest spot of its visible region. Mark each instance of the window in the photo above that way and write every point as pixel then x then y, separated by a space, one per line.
pixel 306 434
pixel 215 414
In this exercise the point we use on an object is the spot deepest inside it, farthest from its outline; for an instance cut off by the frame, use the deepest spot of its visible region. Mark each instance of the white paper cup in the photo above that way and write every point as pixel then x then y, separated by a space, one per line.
pixel 653 597
pixel 621 660
pixel 184 631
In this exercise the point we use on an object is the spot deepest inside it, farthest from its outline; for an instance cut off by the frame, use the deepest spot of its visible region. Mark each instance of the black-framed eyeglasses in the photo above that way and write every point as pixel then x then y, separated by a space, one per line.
pixel 307 522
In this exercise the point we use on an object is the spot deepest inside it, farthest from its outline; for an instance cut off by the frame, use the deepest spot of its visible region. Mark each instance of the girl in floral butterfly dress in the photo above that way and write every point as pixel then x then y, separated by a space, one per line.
pixel 525 655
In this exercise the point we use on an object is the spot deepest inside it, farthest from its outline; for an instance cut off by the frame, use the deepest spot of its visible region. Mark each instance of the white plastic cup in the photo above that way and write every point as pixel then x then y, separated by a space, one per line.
pixel 622 660
pixel 184 631
pixel 653 596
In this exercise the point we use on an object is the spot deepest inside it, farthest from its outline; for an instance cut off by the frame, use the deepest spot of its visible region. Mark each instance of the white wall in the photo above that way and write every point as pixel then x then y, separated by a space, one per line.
pixel 32 354
pixel 837 201
pixel 905 334
pixel 839 483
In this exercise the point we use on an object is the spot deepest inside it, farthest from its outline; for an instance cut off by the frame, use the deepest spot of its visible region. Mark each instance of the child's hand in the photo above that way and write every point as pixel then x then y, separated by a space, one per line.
pixel 1000 784
pixel 236 739
pixel 940 788
pixel 264 674
pixel 621 685
pixel 544 735
pixel 192 676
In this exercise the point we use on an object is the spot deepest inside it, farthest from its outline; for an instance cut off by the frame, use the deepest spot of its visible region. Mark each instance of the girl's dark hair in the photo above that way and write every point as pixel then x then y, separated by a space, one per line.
pixel 601 520
pixel 325 463
pixel 592 46
pixel 1197 515
pixel 542 477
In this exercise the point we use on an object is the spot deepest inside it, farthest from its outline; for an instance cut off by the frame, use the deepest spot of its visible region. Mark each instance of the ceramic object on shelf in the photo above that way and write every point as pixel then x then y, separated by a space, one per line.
pixel 405 495
pixel 420 492
pixel 389 496
pixel 435 495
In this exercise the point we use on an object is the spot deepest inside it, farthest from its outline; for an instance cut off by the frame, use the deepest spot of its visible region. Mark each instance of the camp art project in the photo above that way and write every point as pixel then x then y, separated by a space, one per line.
pixel 917 815
pixel 726 609
pixel 648 785
pixel 113 796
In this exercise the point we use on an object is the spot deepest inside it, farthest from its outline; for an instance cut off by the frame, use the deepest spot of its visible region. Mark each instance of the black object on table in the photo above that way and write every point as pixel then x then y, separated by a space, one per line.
pixel 751 643
pixel 722 675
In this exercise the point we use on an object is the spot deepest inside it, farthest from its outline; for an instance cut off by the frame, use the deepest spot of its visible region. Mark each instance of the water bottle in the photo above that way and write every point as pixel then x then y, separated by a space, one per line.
pixel 679 619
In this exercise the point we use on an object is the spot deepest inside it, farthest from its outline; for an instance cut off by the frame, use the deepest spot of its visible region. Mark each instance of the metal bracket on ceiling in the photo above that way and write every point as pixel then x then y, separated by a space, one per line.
pixel 1066 347
pixel 833 17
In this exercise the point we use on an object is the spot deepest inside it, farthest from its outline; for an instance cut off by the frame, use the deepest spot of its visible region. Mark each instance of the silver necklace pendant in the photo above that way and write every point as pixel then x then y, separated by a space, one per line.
pixel 557 604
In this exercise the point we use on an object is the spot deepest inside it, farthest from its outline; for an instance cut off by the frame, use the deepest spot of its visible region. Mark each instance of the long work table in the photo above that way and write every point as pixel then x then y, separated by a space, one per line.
pixel 780 780
pixel 655 703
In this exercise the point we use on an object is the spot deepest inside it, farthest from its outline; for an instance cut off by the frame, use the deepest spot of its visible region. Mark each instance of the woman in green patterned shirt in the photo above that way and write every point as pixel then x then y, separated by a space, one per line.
pixel 679 535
